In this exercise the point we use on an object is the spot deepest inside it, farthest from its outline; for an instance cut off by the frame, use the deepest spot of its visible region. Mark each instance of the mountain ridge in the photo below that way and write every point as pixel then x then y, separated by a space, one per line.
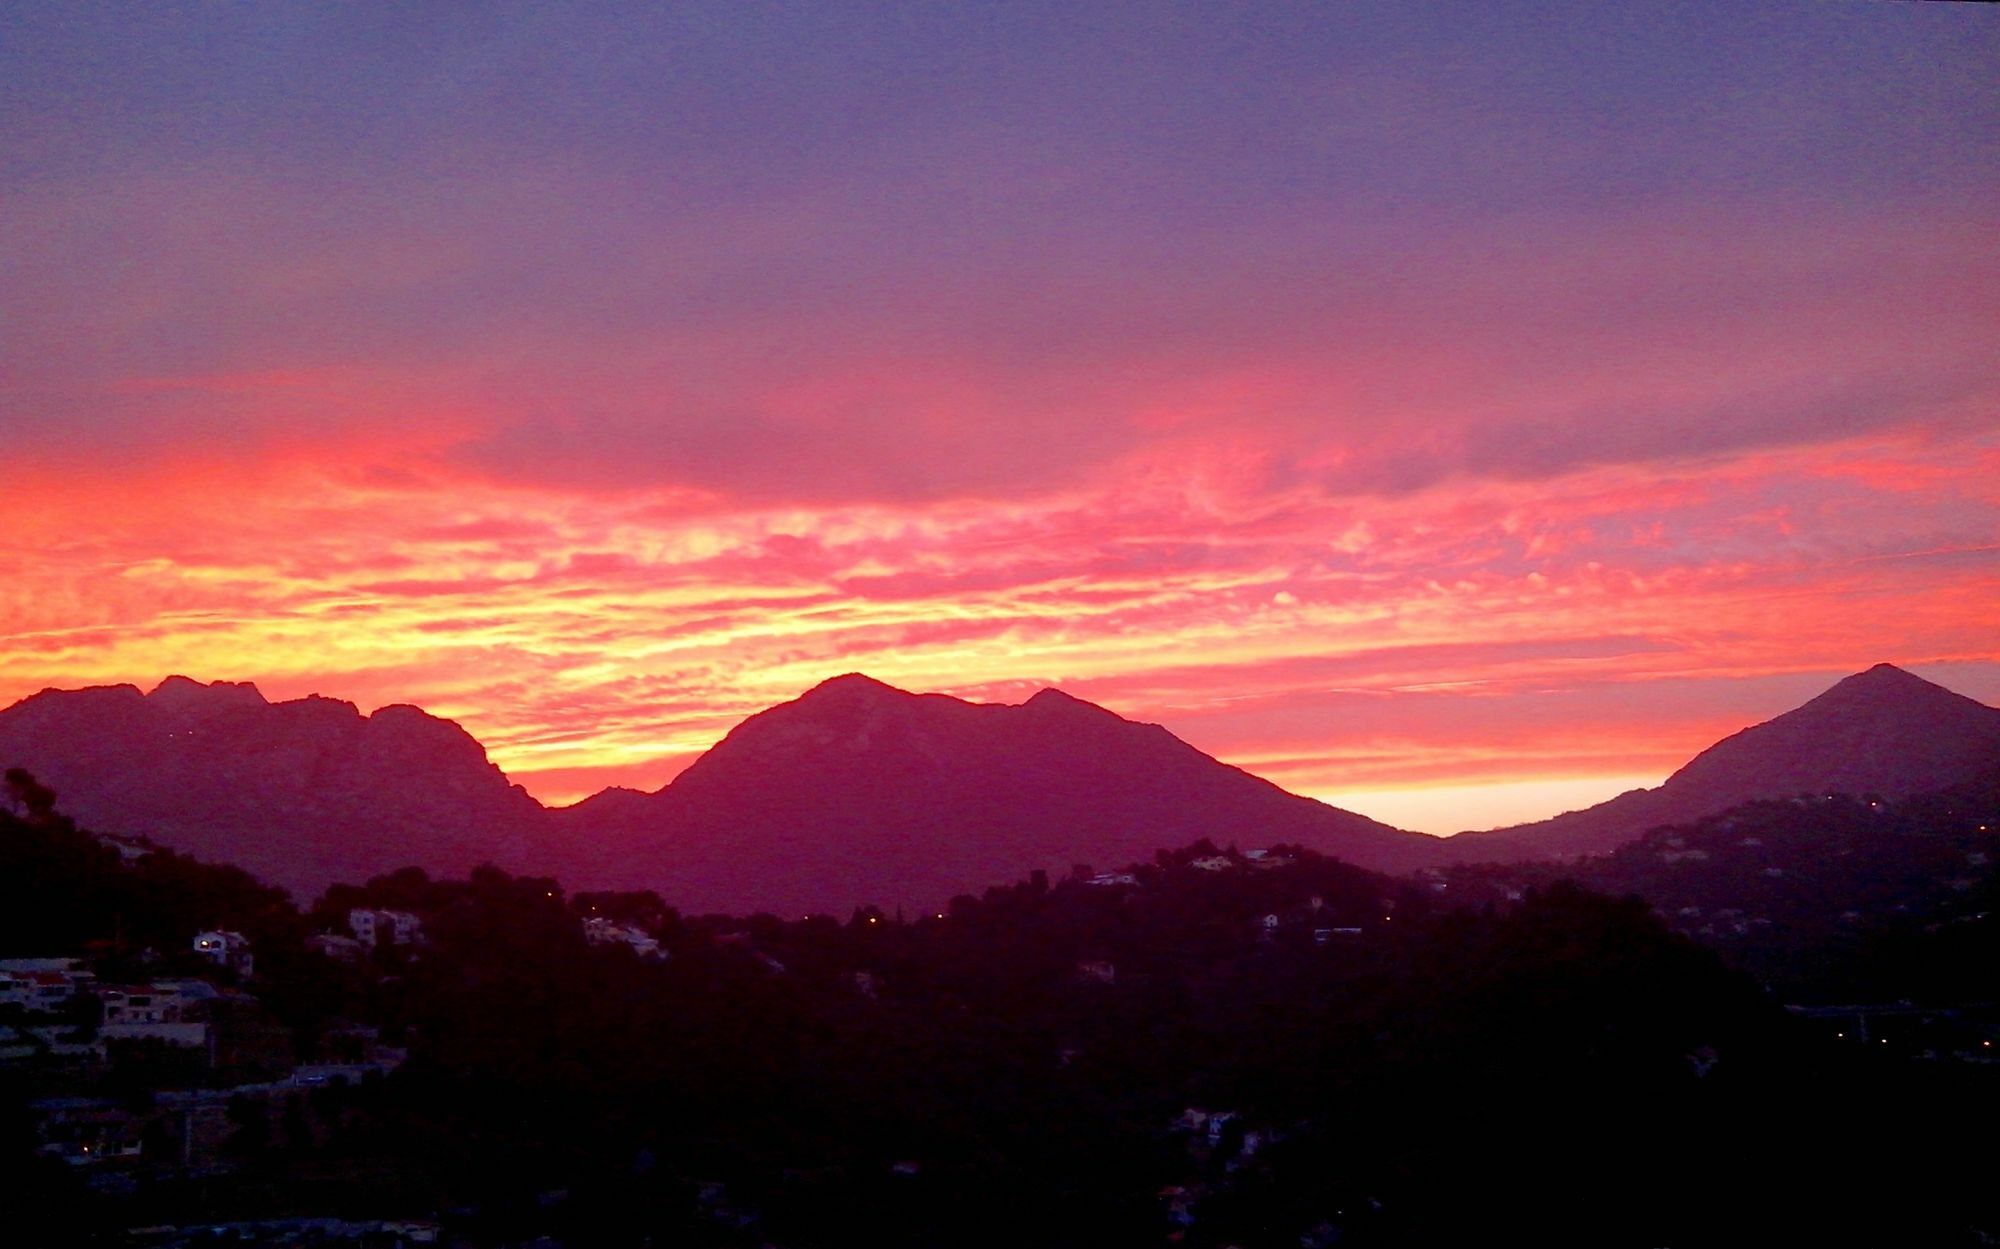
pixel 301 792
pixel 854 791
pixel 1882 730
pixel 860 791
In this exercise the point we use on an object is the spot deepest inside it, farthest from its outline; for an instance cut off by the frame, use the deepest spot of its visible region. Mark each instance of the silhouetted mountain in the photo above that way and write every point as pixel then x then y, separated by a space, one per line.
pixel 1882 732
pixel 1831 897
pixel 301 793
pixel 857 792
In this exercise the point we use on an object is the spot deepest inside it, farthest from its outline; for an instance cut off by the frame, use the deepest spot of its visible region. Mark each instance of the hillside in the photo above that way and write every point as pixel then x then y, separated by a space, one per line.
pixel 1883 732
pixel 300 793
pixel 858 792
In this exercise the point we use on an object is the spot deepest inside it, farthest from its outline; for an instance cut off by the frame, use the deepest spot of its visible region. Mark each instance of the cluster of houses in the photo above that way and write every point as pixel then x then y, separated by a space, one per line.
pixel 1223 1144
pixel 60 1008
pixel 1247 860
pixel 57 1009
pixel 182 1128
pixel 1263 860
pixel 368 928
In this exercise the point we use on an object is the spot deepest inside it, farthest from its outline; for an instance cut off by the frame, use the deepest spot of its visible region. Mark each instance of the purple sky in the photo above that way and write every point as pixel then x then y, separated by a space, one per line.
pixel 625 371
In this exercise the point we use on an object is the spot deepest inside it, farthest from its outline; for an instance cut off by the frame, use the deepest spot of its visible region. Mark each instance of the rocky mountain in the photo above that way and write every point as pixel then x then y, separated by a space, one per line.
pixel 301 793
pixel 858 792
pixel 854 792
pixel 1884 732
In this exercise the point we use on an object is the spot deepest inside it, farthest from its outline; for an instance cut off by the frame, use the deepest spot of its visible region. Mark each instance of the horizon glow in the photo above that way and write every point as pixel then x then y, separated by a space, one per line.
pixel 1457 409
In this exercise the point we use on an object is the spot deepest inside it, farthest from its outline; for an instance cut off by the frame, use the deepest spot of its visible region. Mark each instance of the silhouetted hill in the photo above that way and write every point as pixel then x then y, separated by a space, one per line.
pixel 855 792
pixel 300 793
pixel 858 792
pixel 1831 897
pixel 1883 732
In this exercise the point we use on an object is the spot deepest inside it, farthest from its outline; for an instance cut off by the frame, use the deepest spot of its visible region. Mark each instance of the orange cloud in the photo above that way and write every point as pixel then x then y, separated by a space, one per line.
pixel 1482 634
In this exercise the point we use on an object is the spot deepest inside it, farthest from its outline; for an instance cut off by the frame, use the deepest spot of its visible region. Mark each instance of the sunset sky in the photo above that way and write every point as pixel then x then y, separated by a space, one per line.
pixel 1456 412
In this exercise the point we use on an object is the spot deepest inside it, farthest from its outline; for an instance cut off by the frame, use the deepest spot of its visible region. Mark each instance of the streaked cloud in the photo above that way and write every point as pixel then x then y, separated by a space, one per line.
pixel 1415 399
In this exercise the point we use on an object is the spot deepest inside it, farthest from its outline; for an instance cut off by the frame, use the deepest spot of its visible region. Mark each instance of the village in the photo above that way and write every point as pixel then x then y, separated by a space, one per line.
pixel 1213 1039
pixel 184 1074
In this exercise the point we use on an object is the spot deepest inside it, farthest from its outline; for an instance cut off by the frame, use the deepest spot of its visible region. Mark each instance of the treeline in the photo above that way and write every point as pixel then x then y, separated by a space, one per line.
pixel 63 890
pixel 1287 1053
pixel 1828 898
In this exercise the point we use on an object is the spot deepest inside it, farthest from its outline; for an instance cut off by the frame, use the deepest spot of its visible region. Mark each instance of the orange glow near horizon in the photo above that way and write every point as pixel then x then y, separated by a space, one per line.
pixel 1495 649
pixel 1454 411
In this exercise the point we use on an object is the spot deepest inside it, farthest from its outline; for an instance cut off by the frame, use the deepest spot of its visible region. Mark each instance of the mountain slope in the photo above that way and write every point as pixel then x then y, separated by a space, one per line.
pixel 300 793
pixel 1883 731
pixel 857 792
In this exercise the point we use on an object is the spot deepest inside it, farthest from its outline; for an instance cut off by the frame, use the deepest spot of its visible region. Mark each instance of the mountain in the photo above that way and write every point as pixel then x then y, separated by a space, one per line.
pixel 1883 732
pixel 854 792
pixel 858 792
pixel 300 793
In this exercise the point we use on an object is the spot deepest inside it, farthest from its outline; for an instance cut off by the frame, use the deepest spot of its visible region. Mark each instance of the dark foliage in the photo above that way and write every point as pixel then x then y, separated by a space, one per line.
pixel 1281 1052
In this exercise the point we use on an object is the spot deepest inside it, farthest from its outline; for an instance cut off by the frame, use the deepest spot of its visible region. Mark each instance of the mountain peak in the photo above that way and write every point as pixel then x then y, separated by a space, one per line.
pixel 302 792
pixel 1885 673
pixel 848 692
pixel 851 683
pixel 1051 699
pixel 185 694
pixel 1884 688
pixel 1882 731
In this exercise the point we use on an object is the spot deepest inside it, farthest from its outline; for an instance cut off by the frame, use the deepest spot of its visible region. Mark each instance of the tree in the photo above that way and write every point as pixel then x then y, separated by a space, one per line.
pixel 34 799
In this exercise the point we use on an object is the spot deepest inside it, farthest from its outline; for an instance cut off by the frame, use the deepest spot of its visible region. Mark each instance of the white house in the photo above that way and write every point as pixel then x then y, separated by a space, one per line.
pixel 372 927
pixel 600 931
pixel 225 949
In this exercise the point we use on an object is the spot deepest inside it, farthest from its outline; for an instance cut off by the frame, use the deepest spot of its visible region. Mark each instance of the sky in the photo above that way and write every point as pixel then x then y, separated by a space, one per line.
pixel 1458 412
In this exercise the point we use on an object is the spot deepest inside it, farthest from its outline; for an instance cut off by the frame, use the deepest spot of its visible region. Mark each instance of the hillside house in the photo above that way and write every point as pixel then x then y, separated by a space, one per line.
pixel 161 1001
pixel 37 990
pixel 599 931
pixel 225 949
pixel 372 927
pixel 42 983
pixel 1097 971
pixel 337 947
pixel 130 849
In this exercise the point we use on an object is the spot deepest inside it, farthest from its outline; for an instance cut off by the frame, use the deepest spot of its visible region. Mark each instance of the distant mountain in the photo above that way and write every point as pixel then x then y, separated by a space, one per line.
pixel 1883 731
pixel 854 792
pixel 1831 897
pixel 300 793
pixel 858 792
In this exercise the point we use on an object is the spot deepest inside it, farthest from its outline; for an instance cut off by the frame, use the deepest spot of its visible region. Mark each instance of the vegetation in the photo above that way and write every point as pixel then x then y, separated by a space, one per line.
pixel 1824 897
pixel 1286 1051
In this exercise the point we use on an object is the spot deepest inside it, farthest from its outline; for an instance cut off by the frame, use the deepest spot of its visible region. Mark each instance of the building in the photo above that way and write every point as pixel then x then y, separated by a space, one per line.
pixel 599 931
pixel 43 984
pixel 161 1001
pixel 373 927
pixel 225 949
pixel 1097 971
pixel 334 946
